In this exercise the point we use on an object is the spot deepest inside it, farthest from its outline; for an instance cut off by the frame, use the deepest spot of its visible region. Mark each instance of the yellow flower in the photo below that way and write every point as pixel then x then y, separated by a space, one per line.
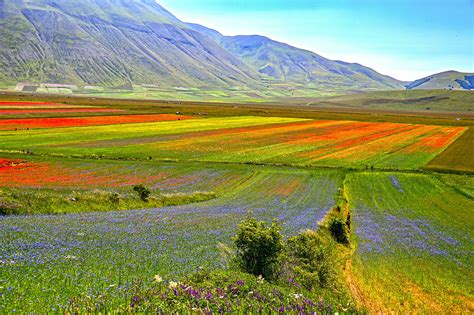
pixel 173 285
pixel 158 279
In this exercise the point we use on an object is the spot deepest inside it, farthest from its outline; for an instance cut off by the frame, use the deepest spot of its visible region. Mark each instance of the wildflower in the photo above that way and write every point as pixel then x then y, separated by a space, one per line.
pixel 70 257
pixel 297 296
pixel 173 285
pixel 158 279
pixel 260 279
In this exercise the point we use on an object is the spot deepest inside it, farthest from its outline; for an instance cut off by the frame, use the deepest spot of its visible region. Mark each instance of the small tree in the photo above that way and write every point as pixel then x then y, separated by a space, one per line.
pixel 309 260
pixel 338 229
pixel 143 192
pixel 258 247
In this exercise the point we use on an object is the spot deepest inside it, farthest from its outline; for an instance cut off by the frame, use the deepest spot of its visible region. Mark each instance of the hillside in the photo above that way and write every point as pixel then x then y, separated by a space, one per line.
pixel 287 63
pixel 449 80
pixel 417 100
pixel 119 43
pixel 111 43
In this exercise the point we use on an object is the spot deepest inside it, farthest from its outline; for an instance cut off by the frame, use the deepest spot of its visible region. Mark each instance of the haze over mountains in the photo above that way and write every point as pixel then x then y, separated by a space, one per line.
pixel 122 42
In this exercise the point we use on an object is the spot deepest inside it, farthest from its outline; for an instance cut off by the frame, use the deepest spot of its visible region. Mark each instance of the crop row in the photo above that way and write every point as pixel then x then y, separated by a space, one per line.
pixel 37 123
pixel 251 140
pixel 414 239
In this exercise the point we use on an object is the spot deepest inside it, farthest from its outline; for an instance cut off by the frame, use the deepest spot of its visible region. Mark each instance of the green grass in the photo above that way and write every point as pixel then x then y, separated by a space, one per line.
pixel 414 238
pixel 243 140
pixel 47 260
pixel 457 157
pixel 410 100
pixel 14 201
pixel 38 139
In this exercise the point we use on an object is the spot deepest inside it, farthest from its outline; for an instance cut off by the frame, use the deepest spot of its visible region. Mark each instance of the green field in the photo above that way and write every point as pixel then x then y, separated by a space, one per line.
pixel 75 233
pixel 414 242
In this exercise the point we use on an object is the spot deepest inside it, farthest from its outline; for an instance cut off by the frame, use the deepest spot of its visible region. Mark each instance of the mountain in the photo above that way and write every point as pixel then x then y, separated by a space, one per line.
pixel 124 42
pixel 287 63
pixel 449 80
pixel 110 42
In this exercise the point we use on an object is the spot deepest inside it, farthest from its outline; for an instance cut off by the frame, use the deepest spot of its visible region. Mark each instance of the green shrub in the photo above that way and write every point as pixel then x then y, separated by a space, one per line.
pixel 338 229
pixel 114 198
pixel 258 247
pixel 143 192
pixel 309 261
pixel 9 208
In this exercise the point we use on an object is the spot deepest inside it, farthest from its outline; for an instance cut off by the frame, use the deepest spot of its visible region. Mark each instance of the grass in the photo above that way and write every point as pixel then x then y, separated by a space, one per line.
pixel 457 157
pixel 411 230
pixel 414 235
pixel 14 201
pixel 297 108
pixel 411 100
pixel 244 140
pixel 47 260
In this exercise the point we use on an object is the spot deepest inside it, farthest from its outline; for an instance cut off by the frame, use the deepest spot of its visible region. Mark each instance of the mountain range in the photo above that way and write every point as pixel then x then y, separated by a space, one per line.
pixel 123 42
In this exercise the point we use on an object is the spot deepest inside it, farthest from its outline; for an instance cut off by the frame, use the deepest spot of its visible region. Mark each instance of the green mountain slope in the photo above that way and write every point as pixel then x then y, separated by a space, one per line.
pixel 110 42
pixel 449 80
pixel 286 63
pixel 124 42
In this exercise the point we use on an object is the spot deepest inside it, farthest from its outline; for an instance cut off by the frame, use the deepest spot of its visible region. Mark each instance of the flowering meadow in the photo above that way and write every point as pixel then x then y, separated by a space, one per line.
pixel 47 260
pixel 255 140
pixel 410 231
pixel 40 123
pixel 414 238
pixel 19 108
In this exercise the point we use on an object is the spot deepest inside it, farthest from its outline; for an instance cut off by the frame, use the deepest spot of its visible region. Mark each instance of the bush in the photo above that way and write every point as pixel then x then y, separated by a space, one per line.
pixel 309 261
pixel 143 192
pixel 8 208
pixel 258 247
pixel 114 198
pixel 338 229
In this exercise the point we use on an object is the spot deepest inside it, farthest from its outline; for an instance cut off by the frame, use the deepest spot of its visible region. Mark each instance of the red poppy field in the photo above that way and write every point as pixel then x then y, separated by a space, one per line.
pixel 39 123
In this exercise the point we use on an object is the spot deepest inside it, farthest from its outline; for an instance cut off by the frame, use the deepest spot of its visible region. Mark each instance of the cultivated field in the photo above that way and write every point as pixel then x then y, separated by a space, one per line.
pixel 414 242
pixel 77 232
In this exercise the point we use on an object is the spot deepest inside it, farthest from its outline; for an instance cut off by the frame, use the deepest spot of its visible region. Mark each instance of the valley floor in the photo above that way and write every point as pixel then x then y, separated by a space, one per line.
pixel 80 230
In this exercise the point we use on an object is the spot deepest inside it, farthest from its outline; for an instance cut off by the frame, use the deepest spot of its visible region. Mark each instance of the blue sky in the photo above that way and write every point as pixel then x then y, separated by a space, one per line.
pixel 407 39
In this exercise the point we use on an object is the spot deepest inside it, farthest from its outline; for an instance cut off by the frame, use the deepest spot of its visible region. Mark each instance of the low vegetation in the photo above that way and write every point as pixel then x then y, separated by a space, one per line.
pixel 45 201
pixel 300 278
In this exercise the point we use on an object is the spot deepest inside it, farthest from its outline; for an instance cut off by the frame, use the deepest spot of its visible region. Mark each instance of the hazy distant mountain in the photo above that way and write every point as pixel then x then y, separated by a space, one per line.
pixel 117 42
pixel 287 63
pixel 450 80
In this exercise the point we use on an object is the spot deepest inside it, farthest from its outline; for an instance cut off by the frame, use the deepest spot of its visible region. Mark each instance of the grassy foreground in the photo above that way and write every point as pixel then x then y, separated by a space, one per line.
pixel 413 236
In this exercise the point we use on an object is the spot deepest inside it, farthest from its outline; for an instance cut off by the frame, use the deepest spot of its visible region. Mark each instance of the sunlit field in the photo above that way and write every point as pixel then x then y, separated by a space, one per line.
pixel 74 232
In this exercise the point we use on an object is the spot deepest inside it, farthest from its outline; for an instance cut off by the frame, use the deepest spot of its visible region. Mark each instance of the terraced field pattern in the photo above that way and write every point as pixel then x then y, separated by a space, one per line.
pixel 412 229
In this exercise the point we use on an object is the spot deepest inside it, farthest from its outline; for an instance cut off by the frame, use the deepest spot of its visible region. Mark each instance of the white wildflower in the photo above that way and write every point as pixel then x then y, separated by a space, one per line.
pixel 70 257
pixel 260 279
pixel 158 279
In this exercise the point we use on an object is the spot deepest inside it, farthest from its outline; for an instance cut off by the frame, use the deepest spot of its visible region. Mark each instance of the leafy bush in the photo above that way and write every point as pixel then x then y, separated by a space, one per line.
pixel 143 192
pixel 258 247
pixel 338 229
pixel 309 261
pixel 9 208
pixel 114 198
